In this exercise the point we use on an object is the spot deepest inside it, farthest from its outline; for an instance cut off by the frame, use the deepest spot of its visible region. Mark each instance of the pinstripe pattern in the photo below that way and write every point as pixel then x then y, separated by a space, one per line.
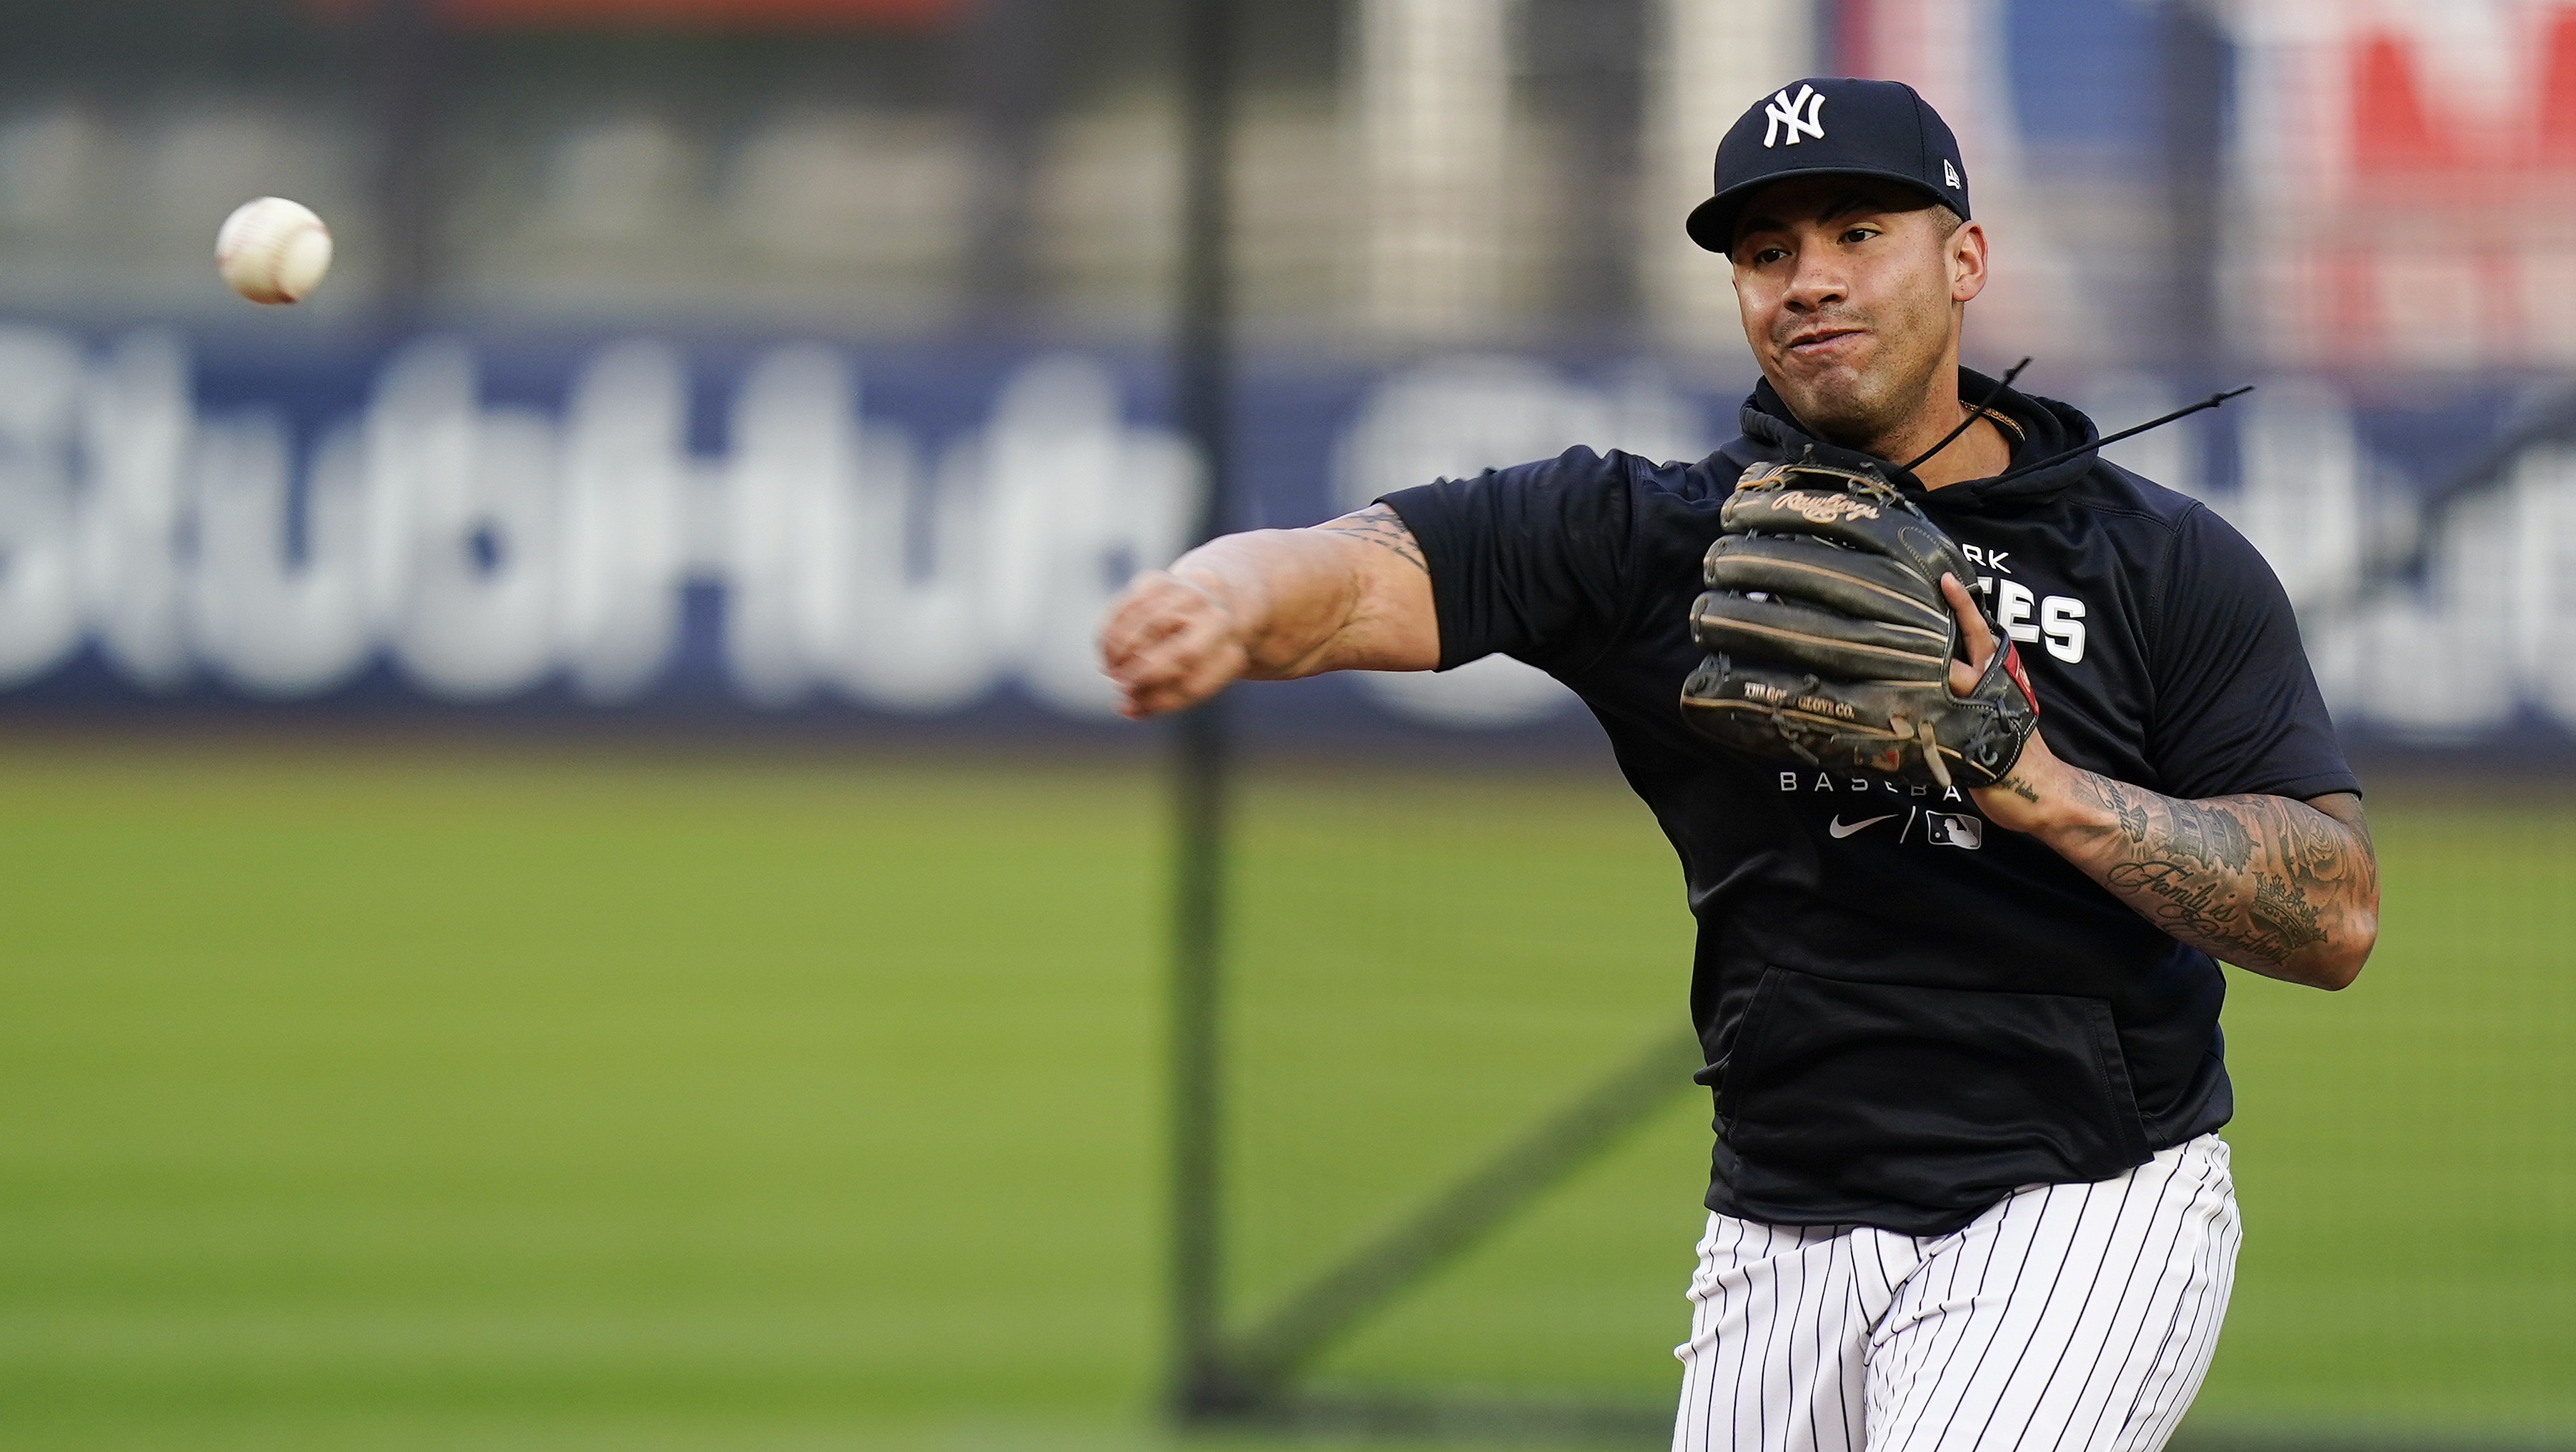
pixel 2066 1318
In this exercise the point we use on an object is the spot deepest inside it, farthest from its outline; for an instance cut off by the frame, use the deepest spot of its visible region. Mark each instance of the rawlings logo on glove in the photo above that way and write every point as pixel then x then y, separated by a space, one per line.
pixel 1830 642
pixel 1824 508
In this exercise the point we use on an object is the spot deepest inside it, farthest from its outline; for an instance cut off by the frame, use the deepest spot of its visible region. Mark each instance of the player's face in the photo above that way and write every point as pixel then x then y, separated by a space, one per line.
pixel 1851 293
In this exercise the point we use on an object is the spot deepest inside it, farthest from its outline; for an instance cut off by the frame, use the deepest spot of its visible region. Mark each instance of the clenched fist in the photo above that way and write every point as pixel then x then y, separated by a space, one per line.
pixel 1170 641
pixel 1272 605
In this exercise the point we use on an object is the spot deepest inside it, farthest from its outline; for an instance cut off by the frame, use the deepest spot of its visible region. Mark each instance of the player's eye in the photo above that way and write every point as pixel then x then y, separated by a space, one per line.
pixel 1763 257
pixel 1860 234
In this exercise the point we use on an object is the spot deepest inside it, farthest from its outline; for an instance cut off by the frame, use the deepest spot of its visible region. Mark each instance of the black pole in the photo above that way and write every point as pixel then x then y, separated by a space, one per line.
pixel 411 65
pixel 2196 83
pixel 1587 57
pixel 1201 1386
pixel 410 62
pixel 1014 77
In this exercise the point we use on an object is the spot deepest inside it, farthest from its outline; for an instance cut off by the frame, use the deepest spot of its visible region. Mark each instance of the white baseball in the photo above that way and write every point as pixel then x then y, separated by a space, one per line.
pixel 272 250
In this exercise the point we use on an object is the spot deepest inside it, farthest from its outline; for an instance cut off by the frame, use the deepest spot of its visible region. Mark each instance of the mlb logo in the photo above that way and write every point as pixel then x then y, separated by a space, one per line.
pixel 1943 829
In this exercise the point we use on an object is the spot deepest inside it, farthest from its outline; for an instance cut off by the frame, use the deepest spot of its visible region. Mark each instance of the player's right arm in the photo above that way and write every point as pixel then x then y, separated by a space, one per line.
pixel 1352 593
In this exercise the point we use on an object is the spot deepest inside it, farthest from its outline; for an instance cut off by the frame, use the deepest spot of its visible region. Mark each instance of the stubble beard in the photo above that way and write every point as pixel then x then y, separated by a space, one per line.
pixel 1861 408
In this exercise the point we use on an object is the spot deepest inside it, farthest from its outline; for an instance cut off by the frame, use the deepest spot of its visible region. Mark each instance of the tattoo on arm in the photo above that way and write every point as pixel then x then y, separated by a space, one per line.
pixel 2206 835
pixel 1380 525
pixel 2256 880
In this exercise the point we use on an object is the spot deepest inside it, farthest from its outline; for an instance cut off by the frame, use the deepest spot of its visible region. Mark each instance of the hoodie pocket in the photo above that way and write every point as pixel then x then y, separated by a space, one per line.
pixel 1839 1092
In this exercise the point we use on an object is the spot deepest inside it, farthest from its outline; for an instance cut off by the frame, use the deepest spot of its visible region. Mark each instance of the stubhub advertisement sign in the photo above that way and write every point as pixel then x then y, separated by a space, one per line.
pixel 480 528
pixel 634 524
pixel 622 525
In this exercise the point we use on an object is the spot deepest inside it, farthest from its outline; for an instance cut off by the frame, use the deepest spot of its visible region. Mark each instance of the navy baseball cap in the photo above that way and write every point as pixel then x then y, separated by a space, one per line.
pixel 1831 124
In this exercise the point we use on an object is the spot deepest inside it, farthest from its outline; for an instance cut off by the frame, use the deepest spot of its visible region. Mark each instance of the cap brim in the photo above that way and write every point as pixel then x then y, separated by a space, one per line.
pixel 1712 222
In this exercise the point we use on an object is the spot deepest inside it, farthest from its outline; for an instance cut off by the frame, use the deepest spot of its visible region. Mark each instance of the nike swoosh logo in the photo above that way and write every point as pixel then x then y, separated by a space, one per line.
pixel 1839 831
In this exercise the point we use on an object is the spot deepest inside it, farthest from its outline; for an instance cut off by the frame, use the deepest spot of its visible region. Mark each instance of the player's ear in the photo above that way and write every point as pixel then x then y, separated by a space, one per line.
pixel 1967 258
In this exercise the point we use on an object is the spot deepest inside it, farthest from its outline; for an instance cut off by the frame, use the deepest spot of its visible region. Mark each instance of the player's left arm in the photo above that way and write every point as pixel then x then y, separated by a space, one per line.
pixel 2289 889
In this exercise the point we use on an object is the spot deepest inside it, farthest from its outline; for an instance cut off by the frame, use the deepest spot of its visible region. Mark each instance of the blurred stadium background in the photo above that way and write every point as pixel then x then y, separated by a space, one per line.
pixel 569 880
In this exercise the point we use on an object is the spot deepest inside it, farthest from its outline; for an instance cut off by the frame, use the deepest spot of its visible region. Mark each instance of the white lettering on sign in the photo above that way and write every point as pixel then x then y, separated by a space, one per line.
pixel 483 548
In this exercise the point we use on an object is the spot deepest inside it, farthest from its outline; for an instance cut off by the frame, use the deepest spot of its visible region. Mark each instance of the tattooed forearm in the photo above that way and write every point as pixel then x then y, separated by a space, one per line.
pixel 2019 788
pixel 2207 835
pixel 2271 884
pixel 1380 525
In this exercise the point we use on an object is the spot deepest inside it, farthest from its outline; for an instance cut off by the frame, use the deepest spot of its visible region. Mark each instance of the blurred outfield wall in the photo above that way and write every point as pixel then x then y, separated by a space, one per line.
pixel 920 531
pixel 732 357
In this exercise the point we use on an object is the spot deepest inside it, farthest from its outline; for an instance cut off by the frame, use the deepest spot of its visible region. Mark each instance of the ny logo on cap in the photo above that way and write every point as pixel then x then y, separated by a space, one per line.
pixel 1784 111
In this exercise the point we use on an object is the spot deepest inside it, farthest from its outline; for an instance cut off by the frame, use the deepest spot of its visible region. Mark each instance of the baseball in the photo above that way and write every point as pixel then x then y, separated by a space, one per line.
pixel 272 250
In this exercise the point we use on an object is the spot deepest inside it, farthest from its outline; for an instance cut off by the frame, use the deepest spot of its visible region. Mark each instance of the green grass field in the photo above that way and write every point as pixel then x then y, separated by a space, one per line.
pixel 555 1097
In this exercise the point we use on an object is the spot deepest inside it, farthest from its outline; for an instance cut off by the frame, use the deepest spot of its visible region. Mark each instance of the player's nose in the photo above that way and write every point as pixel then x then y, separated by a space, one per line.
pixel 1818 283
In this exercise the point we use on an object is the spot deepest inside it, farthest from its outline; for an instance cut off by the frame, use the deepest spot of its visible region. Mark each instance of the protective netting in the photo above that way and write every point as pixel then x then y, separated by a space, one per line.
pixel 806 360
pixel 1424 965
pixel 1427 961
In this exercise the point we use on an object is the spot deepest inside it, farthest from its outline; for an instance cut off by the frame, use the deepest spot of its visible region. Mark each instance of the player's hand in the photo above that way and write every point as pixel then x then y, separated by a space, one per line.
pixel 1169 641
pixel 2038 779
pixel 1973 631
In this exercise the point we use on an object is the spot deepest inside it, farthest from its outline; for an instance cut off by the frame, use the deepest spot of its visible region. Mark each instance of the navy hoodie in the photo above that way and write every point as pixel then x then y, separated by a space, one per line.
pixel 1906 1011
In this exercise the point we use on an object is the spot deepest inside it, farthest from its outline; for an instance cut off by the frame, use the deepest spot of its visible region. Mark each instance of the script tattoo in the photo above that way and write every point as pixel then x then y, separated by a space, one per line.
pixel 2256 880
pixel 2184 899
pixel 1380 525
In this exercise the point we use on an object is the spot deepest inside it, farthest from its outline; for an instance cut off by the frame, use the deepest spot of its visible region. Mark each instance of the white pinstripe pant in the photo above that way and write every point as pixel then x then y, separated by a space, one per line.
pixel 2066 1318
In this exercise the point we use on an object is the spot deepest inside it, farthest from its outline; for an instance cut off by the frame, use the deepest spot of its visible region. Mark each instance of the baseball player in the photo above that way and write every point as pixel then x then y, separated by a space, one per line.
pixel 1956 976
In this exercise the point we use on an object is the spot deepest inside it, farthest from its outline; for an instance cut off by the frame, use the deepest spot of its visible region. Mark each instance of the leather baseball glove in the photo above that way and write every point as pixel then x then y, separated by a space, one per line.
pixel 1830 643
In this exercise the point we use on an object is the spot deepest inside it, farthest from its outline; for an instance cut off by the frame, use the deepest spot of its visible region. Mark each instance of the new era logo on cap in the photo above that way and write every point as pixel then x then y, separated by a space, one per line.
pixel 1879 128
